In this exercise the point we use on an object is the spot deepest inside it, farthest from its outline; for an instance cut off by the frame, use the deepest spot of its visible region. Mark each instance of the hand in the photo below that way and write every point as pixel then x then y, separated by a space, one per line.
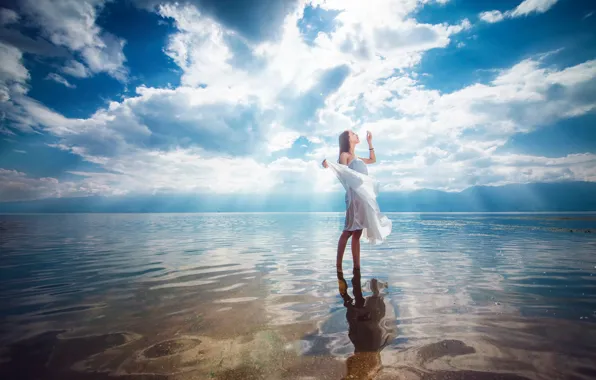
pixel 325 165
pixel 369 137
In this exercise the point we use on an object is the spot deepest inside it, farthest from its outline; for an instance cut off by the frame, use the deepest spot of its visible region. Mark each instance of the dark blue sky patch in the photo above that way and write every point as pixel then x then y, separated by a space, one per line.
pixel 316 20
pixel 28 42
pixel 80 102
pixel 146 34
pixel 454 11
pixel 305 107
pixel 257 20
pixel 298 150
pixel 238 126
pixel 41 160
pixel 577 135
pixel 503 44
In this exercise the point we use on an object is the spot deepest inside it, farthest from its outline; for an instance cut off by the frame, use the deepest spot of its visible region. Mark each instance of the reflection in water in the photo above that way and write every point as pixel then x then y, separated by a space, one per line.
pixel 163 297
pixel 369 331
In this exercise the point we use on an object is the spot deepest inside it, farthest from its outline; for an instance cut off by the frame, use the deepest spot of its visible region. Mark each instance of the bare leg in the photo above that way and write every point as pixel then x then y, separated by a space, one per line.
pixel 341 247
pixel 356 248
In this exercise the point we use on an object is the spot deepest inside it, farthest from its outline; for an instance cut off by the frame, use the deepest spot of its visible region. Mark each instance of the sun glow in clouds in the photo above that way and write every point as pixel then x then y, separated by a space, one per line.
pixel 245 100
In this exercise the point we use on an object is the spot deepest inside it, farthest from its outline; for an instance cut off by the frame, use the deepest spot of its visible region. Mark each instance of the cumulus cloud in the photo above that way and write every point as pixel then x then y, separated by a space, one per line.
pixel 243 101
pixel 526 8
pixel 533 6
pixel 478 118
pixel 13 85
pixel 37 46
pixel 17 186
pixel 72 24
pixel 8 16
pixel 59 79
pixel 454 171
pixel 12 69
pixel 183 170
pixel 75 69
pixel 492 16
pixel 281 138
pixel 254 20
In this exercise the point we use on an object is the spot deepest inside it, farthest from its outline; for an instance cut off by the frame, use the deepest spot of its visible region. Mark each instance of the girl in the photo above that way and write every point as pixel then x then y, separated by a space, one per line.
pixel 363 216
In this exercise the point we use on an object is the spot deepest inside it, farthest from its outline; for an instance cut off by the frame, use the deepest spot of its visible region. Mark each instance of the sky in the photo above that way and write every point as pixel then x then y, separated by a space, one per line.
pixel 101 97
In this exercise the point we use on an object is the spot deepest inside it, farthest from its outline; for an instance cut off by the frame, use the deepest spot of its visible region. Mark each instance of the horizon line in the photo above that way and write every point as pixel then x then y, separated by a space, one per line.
pixel 296 212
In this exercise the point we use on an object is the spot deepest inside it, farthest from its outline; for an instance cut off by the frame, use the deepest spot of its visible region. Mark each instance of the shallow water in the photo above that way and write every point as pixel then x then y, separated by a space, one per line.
pixel 243 296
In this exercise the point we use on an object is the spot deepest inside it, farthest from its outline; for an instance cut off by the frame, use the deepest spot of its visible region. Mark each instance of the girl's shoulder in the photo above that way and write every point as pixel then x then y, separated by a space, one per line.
pixel 347 156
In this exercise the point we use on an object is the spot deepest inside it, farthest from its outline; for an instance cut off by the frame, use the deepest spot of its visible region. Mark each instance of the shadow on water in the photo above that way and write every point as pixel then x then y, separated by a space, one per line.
pixel 369 331
pixel 363 332
pixel 155 297
pixel 48 357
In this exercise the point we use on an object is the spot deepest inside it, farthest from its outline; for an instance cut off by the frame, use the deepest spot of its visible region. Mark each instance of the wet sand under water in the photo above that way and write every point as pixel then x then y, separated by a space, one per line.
pixel 187 350
pixel 272 307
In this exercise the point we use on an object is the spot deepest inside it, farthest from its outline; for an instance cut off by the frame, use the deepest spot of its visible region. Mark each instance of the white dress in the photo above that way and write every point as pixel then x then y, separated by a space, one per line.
pixel 362 210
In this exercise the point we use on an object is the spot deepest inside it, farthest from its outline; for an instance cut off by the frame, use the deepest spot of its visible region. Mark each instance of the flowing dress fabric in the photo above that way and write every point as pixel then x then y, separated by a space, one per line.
pixel 362 210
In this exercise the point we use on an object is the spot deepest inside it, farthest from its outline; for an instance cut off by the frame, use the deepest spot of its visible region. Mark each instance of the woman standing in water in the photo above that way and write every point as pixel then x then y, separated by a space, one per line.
pixel 363 217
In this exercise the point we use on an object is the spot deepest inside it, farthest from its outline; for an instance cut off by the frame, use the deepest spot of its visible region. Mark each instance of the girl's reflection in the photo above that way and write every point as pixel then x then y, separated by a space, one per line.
pixel 368 330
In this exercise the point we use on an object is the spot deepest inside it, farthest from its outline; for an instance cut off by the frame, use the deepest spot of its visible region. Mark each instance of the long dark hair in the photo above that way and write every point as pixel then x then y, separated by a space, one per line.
pixel 344 143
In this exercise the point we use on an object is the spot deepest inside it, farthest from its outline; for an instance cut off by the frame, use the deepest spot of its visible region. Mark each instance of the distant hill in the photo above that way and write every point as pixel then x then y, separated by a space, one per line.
pixel 564 196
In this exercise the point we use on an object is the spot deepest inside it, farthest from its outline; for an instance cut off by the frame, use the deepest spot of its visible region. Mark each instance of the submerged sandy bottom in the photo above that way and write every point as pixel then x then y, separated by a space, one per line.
pixel 150 297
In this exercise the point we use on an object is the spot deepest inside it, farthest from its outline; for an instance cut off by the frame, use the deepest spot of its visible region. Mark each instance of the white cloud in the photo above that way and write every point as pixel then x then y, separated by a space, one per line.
pixel 12 69
pixel 186 171
pixel 60 79
pixel 281 138
pixel 13 85
pixel 492 16
pixel 17 186
pixel 448 141
pixel 202 48
pixel 75 69
pixel 525 8
pixel 433 136
pixel 240 101
pixel 446 171
pixel 174 171
pixel 8 17
pixel 72 23
pixel 533 6
pixel 499 108
pixel 38 45
pixel 218 121
pixel 199 47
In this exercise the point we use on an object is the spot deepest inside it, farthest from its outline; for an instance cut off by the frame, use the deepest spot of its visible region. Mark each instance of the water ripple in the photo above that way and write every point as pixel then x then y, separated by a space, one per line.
pixel 466 293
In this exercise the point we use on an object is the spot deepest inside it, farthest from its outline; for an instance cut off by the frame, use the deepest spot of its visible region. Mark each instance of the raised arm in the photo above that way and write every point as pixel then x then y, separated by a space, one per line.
pixel 371 155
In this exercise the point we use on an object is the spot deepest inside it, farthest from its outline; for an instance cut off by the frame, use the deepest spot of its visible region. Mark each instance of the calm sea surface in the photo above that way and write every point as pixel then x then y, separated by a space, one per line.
pixel 257 296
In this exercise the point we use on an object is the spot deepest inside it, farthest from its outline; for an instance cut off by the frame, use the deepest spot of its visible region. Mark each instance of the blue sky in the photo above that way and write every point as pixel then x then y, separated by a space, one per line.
pixel 102 97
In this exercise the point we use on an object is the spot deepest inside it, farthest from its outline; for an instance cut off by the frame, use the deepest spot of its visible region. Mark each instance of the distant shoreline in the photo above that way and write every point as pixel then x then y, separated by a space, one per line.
pixel 545 198
pixel 309 212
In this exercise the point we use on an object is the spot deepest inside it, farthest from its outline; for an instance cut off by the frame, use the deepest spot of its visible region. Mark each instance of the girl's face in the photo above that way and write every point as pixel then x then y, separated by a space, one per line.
pixel 354 138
